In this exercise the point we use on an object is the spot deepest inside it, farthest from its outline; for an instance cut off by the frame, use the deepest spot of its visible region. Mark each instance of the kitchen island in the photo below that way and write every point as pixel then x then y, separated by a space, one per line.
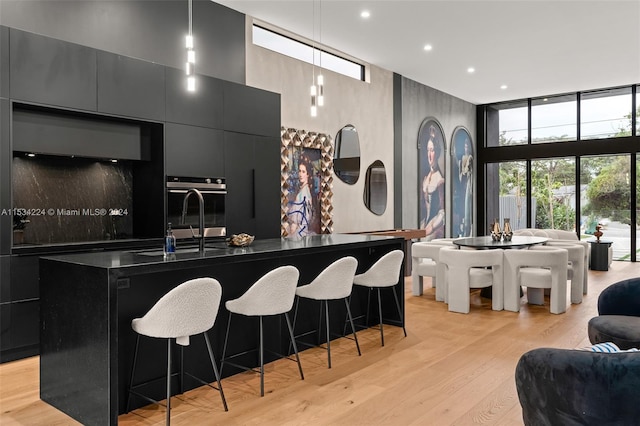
pixel 88 301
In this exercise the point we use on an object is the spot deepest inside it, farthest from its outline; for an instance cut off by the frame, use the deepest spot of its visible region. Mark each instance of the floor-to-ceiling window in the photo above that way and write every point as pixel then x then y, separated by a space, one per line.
pixel 553 186
pixel 568 160
pixel 510 201
pixel 605 200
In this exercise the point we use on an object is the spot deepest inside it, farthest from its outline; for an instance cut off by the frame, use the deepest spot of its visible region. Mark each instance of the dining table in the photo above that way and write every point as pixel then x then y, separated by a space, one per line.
pixel 487 242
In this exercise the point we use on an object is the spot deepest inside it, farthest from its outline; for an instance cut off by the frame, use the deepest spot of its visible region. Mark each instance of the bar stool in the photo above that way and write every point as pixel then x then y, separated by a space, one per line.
pixel 189 309
pixel 333 283
pixel 273 294
pixel 384 273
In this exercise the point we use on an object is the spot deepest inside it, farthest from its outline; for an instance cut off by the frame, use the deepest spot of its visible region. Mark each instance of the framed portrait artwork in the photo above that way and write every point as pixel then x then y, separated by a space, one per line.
pixel 306 183
pixel 431 179
pixel 462 183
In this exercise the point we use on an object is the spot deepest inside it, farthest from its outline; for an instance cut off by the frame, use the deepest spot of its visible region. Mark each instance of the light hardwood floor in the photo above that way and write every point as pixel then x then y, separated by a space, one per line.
pixel 452 369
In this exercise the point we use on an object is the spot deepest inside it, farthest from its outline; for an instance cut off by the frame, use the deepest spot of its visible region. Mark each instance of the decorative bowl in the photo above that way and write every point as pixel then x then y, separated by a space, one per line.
pixel 240 240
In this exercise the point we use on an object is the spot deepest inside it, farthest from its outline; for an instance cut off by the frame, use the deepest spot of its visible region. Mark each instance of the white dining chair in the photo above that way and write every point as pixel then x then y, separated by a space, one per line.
pixel 536 270
pixel 469 269
pixel 575 268
pixel 424 263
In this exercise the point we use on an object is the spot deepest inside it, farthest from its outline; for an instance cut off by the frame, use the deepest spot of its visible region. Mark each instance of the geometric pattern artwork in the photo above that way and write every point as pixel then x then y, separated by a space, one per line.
pixel 292 140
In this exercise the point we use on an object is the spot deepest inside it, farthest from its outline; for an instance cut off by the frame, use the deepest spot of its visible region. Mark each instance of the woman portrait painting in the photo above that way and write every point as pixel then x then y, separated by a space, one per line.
pixel 432 180
pixel 303 210
pixel 462 164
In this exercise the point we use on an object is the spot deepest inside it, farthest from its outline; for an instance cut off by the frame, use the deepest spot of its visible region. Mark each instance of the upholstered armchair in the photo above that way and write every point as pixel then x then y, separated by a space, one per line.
pixel 536 270
pixel 558 236
pixel 575 268
pixel 467 269
pixel 619 315
pixel 425 262
pixel 573 387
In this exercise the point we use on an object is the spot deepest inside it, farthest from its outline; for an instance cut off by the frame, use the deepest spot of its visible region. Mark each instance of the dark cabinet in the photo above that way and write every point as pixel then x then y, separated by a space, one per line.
pixel 193 151
pixel 50 71
pixel 19 330
pixel 4 62
pixel 6 221
pixel 130 87
pixel 19 307
pixel 200 108
pixel 253 184
pixel 251 110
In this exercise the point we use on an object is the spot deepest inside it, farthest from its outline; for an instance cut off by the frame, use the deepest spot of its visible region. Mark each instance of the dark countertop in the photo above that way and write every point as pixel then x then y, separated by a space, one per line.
pixel 123 244
pixel 218 251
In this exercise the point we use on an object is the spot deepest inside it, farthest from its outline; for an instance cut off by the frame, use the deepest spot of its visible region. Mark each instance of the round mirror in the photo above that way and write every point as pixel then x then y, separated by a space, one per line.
pixel 375 188
pixel 346 156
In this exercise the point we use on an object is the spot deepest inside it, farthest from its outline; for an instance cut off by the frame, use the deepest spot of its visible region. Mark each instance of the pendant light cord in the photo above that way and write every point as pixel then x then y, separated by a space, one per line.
pixel 190 17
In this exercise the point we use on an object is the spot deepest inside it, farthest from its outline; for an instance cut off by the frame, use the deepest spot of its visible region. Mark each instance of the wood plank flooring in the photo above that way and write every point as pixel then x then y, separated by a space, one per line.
pixel 452 369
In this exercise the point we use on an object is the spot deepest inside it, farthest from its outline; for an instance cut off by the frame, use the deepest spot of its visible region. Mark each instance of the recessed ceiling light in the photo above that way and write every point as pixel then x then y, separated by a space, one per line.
pixel 31 154
pixel 471 70
pixel 365 14
pixel 503 87
pixel 428 47
pixel 545 100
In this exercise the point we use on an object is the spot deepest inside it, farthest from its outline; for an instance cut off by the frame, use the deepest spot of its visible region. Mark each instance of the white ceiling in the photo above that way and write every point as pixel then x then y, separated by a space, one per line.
pixel 535 47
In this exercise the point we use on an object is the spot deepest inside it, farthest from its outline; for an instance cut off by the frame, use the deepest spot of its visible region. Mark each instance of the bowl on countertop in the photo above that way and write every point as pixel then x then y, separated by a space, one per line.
pixel 240 240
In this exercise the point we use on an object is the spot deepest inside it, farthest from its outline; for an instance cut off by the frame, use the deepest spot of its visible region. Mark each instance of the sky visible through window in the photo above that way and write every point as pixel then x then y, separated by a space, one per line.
pixel 303 52
pixel 600 118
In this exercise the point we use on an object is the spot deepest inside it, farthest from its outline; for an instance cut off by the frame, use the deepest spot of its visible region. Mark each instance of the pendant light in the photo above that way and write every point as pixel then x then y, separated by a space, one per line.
pixel 314 90
pixel 320 76
pixel 191 54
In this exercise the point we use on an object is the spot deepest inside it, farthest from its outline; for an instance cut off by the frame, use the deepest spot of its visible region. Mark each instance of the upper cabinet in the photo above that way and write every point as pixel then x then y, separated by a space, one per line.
pixel 193 151
pixel 53 72
pixel 4 59
pixel 200 108
pixel 130 87
pixel 253 184
pixel 251 110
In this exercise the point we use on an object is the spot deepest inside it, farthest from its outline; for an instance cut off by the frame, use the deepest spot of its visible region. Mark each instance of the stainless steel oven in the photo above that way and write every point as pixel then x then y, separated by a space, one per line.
pixel 214 193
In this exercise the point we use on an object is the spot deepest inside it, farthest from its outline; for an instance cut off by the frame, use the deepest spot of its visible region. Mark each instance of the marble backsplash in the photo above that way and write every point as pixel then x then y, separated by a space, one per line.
pixel 72 199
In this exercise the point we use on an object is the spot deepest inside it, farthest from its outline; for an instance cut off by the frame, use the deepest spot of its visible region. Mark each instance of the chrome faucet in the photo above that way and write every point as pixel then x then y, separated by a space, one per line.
pixel 185 202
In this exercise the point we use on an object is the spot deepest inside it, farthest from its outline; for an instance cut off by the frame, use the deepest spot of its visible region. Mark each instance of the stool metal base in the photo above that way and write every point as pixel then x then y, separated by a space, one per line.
pixel 225 359
pixel 132 387
pixel 327 327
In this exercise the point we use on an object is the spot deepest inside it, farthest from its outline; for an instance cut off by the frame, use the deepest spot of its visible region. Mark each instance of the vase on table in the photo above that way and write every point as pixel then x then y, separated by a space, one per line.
pixel 507 232
pixel 496 234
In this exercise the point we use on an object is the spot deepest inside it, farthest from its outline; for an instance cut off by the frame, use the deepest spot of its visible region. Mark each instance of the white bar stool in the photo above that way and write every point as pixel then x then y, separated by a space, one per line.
pixel 385 273
pixel 273 294
pixel 333 283
pixel 189 309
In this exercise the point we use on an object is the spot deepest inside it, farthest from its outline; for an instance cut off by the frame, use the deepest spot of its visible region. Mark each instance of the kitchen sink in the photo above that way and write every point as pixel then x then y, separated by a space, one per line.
pixel 178 251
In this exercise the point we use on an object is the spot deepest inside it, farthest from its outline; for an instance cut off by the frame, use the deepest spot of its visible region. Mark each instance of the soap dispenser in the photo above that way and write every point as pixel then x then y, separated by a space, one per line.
pixel 169 241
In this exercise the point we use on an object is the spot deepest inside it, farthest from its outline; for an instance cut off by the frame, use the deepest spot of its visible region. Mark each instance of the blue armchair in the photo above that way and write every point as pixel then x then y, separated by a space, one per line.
pixel 573 387
pixel 619 315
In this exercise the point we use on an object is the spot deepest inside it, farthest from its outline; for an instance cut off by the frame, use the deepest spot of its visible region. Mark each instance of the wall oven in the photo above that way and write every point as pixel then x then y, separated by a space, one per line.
pixel 214 193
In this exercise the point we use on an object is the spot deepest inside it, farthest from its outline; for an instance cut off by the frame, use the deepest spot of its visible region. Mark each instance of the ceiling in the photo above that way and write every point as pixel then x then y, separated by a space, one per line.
pixel 534 47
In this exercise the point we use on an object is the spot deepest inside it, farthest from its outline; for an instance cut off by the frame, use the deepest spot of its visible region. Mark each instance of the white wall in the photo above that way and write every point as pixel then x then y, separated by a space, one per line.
pixel 366 105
